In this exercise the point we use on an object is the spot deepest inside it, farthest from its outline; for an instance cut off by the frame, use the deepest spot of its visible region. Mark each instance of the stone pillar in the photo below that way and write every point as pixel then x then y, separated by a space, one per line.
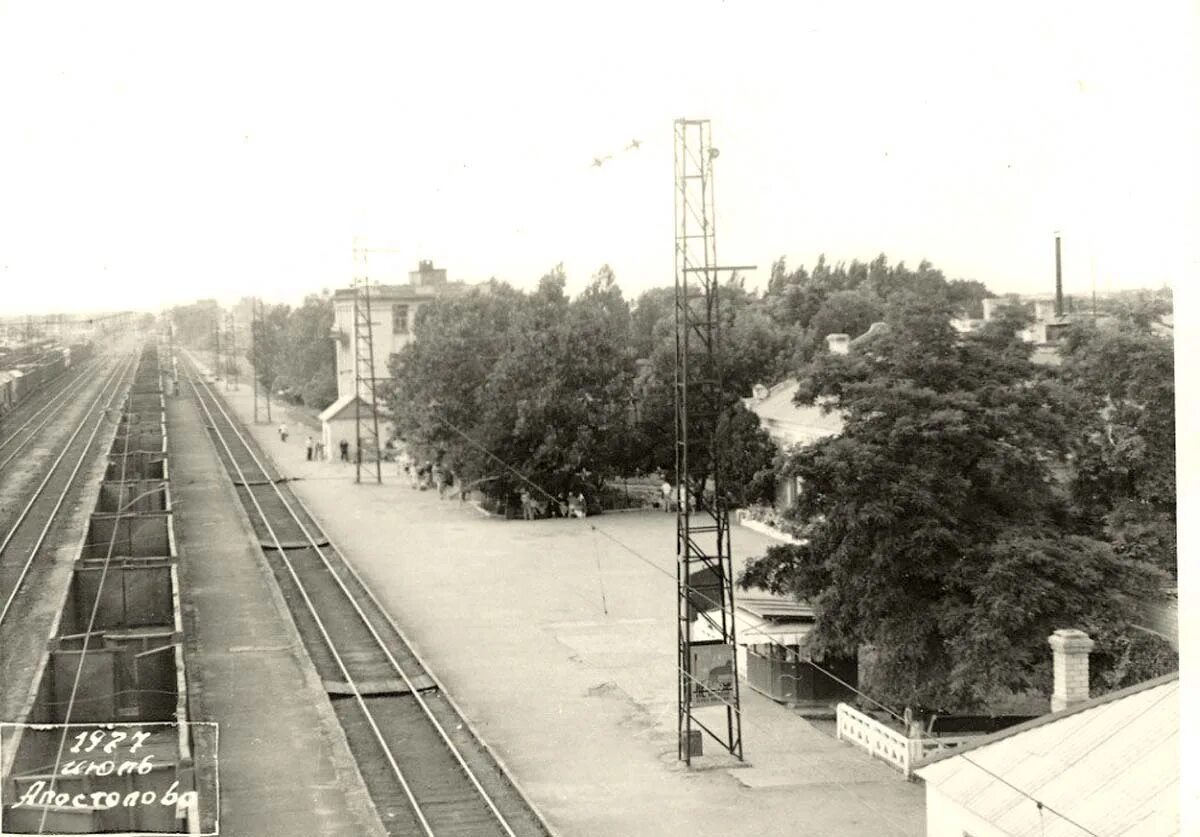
pixel 1071 649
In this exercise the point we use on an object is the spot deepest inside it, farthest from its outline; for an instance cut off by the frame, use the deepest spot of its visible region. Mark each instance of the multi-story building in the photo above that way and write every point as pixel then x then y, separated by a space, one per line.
pixel 393 315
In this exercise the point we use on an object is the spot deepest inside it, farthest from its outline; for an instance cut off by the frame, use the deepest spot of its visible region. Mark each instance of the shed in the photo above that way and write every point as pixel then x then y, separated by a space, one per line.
pixel 773 653
pixel 1108 766
pixel 338 422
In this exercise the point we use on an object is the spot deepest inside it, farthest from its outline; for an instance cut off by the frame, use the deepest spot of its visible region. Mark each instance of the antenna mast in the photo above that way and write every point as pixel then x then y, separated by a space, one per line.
pixel 708 676
pixel 366 425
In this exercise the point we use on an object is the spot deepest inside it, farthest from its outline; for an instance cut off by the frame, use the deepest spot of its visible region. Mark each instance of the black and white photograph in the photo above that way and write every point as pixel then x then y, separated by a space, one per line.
pixel 387 447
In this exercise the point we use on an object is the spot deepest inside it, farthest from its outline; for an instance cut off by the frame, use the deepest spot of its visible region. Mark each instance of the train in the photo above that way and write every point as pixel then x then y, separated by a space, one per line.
pixel 25 369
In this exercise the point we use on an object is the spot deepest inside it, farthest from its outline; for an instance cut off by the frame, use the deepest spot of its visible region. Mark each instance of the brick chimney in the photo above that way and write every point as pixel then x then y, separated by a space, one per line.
pixel 1071 649
pixel 839 344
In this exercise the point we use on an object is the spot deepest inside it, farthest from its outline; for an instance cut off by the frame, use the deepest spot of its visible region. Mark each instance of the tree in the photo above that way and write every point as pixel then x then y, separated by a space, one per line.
pixel 934 530
pixel 310 362
pixel 268 349
pixel 846 312
pixel 1121 376
pixel 536 381
pixel 653 306
pixel 438 388
pixel 967 296
pixel 195 324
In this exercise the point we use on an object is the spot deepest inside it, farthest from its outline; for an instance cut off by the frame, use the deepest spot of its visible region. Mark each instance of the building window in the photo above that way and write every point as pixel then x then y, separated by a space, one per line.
pixel 399 319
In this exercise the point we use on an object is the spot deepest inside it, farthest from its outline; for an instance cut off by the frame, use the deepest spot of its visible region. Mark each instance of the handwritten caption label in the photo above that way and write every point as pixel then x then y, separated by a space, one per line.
pixel 133 767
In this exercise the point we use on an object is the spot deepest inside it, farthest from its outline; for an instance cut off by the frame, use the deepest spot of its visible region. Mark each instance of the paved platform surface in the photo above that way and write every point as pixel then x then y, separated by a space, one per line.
pixel 284 764
pixel 558 642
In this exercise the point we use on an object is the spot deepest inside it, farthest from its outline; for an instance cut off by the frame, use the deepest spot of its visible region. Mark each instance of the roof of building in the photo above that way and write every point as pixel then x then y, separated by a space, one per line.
pixel 764 618
pixel 779 412
pixel 1110 765
pixel 335 409
pixel 769 606
pixel 391 293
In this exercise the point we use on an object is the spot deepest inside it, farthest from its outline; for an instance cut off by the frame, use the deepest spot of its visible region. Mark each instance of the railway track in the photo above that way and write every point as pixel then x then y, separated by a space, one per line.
pixel 19 428
pixel 426 772
pixel 26 531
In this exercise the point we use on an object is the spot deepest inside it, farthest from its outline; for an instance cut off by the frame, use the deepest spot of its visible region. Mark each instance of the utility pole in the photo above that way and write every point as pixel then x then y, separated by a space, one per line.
pixel 366 428
pixel 707 669
pixel 232 378
pixel 217 344
pixel 254 359
pixel 268 379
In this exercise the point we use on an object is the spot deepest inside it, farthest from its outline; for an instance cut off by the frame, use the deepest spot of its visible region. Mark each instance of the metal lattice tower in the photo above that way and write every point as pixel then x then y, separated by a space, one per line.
pixel 366 423
pixel 709 694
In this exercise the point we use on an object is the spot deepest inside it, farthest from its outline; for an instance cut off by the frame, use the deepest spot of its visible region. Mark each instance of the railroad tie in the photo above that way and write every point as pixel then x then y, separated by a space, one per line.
pixel 391 686
pixel 268 543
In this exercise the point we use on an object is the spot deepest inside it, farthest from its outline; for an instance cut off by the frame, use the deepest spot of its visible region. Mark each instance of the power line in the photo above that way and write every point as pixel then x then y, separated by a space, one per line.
pixel 695 592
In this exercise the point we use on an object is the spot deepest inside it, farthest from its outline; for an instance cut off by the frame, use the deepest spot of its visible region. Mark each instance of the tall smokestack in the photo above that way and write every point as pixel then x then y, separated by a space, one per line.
pixel 1058 296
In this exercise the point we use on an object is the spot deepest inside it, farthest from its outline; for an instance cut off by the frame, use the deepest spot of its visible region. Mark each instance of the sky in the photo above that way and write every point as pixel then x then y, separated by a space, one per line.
pixel 154 153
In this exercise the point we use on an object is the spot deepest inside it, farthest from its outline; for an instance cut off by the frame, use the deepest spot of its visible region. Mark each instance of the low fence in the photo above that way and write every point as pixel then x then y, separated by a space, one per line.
pixel 890 745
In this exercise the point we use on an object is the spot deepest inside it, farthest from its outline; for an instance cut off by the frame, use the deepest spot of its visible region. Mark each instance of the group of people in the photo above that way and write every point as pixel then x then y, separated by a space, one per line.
pixel 574 505
pixel 425 476
pixel 314 449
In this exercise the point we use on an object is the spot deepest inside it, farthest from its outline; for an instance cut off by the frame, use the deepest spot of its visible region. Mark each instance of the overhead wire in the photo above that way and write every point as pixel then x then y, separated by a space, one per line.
pixel 62 743
pixel 693 591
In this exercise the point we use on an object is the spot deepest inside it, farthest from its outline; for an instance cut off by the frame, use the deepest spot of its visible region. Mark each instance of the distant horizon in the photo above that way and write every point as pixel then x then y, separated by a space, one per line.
pixel 754 282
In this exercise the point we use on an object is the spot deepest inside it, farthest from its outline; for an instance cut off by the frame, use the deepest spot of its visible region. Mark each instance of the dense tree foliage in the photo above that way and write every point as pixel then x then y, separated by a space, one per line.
pixel 549 385
pixel 1121 375
pixel 293 353
pixel 533 380
pixel 195 324
pixel 936 530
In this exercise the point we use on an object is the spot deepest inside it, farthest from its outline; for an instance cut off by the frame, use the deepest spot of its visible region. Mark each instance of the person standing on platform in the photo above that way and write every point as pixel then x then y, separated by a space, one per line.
pixel 667 491
pixel 308 448
pixel 344 447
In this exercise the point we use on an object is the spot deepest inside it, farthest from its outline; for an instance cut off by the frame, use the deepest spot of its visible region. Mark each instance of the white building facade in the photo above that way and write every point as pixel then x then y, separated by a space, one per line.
pixel 393 315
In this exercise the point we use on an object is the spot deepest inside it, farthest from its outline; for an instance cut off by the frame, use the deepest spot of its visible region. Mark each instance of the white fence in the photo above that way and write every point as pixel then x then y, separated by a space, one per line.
pixel 889 745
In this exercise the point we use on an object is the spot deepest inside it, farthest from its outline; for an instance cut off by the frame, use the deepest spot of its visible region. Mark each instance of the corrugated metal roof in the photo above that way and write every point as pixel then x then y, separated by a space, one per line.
pixel 767 606
pixel 1111 766
pixel 762 618
pixel 782 416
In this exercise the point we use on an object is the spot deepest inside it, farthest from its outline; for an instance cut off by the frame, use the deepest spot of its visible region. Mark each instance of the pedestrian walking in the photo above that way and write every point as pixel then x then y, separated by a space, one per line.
pixel 283 432
pixel 438 475
pixel 344 447
pixel 667 491
pixel 308 448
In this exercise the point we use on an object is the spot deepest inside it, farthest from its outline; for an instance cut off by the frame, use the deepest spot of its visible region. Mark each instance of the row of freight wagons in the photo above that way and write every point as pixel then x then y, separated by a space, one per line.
pixel 24 379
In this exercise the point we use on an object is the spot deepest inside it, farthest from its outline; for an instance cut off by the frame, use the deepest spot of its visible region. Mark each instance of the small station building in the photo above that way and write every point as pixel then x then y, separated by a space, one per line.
pixel 773 652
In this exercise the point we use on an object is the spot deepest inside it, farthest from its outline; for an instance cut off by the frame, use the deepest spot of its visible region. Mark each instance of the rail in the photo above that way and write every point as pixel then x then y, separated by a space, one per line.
pixel 114 380
pixel 319 548
pixel 69 388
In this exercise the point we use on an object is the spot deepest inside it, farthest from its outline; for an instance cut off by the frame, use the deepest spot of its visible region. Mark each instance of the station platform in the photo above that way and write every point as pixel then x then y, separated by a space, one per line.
pixel 559 644
pixel 284 767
